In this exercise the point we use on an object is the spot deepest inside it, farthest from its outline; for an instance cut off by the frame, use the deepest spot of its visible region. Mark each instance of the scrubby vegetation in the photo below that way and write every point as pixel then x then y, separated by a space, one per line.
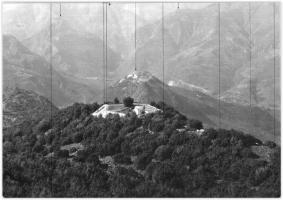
pixel 76 155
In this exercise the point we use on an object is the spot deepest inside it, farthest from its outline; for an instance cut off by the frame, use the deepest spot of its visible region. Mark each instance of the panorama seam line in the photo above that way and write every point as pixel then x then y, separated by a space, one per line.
pixel 103 49
pixel 250 57
pixel 274 62
pixel 135 36
pixel 219 71
pixel 106 51
pixel 163 94
pixel 51 96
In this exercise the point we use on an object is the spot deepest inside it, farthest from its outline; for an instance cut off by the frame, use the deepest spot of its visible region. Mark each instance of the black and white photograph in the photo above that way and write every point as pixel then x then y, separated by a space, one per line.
pixel 141 99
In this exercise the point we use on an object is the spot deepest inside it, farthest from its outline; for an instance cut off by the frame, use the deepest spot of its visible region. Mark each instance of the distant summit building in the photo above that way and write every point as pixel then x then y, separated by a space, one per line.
pixel 121 110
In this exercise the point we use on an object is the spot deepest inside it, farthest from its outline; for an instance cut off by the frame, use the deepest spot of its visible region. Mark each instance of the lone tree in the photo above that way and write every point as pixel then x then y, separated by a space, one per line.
pixel 116 100
pixel 195 124
pixel 128 102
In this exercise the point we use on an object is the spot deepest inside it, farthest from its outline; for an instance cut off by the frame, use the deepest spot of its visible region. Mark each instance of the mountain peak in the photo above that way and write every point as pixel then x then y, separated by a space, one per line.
pixel 137 77
pixel 140 76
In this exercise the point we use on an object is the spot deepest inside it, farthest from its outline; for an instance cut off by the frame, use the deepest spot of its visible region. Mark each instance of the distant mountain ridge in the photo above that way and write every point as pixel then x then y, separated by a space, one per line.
pixel 74 52
pixel 191 43
pixel 27 70
pixel 191 66
pixel 144 87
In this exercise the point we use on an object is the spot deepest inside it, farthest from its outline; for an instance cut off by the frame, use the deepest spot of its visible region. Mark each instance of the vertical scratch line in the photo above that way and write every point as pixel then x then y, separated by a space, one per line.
pixel 250 57
pixel 274 61
pixel 106 46
pixel 51 109
pixel 135 36
pixel 103 52
pixel 219 72
pixel 163 54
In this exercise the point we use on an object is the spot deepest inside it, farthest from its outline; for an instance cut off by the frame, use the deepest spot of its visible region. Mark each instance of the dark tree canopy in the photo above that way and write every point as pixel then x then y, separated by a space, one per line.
pixel 116 100
pixel 135 157
pixel 195 124
pixel 128 102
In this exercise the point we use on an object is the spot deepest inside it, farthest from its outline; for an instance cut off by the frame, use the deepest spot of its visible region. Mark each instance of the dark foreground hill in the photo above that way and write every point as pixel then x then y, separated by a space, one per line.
pixel 158 155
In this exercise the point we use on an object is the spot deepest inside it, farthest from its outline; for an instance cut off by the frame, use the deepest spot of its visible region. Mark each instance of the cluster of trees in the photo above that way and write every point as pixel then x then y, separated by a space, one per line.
pixel 149 158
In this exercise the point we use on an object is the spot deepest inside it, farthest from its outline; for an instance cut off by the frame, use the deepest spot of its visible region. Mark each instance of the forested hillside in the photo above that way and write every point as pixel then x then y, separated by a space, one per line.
pixel 158 155
pixel 20 106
